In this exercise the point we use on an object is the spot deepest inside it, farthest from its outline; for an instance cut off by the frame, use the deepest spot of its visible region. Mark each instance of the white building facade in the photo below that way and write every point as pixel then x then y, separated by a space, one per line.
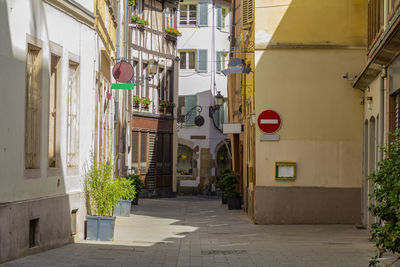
pixel 203 50
pixel 49 57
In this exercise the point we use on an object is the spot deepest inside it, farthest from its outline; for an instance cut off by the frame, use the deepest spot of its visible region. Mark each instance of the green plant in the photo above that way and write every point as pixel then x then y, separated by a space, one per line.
pixel 146 101
pixel 385 200
pixel 143 22
pixel 135 18
pixel 131 2
pixel 128 189
pixel 101 189
pixel 137 99
pixel 136 182
pixel 164 103
pixel 228 182
pixel 173 31
pixel 171 105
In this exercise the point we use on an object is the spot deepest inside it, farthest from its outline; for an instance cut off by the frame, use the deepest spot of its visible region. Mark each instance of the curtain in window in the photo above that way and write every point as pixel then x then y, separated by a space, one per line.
pixel 72 120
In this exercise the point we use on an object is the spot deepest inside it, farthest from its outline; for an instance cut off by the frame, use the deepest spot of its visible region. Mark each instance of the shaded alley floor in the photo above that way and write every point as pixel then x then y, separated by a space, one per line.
pixel 195 231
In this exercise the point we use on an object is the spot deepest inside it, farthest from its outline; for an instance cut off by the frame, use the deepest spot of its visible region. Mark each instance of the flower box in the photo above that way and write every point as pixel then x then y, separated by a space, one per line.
pixel 171 37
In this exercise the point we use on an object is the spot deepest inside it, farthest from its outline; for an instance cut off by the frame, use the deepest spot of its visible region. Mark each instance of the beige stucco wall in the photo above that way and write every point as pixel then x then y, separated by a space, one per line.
pixel 321 113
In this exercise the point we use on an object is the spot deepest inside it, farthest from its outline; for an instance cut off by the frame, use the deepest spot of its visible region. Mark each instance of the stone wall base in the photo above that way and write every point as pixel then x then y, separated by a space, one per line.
pixel 307 205
pixel 53 227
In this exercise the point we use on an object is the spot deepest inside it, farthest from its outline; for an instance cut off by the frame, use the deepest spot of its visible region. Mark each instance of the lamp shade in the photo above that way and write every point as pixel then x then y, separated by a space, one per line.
pixel 219 99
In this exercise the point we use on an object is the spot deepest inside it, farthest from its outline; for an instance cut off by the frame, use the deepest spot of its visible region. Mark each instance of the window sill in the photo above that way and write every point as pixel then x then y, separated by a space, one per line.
pixel 53 172
pixel 32 173
pixel 188 26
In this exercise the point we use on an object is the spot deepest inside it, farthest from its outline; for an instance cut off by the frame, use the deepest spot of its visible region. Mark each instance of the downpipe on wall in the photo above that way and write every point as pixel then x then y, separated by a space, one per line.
pixel 382 90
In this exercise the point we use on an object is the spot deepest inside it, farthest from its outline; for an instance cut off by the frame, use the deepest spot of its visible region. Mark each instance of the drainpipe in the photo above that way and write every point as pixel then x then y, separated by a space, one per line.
pixel 385 14
pixel 382 110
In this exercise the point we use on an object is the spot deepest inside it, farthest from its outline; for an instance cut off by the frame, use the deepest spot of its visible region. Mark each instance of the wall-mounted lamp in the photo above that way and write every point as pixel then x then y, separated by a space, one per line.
pixel 152 69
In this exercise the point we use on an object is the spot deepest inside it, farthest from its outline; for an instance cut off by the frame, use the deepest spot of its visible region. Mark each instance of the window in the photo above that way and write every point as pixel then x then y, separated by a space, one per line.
pixel 169 17
pixel 135 151
pixel 138 8
pixel 160 152
pixel 187 60
pixel 184 165
pixel 247 13
pixel 54 81
pixel 33 96
pixel 72 115
pixel 222 61
pixel 188 14
pixel 222 14
pixel 185 104
pixel 143 152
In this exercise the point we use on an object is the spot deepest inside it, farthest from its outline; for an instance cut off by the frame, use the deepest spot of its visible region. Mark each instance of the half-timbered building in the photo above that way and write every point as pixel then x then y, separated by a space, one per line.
pixel 153 54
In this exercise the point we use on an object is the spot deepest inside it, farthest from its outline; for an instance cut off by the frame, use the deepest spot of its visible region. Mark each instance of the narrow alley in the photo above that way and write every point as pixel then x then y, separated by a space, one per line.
pixel 200 231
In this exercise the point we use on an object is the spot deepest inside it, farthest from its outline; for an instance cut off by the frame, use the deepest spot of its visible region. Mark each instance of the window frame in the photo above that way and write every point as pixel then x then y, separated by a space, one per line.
pixel 187 59
pixel 188 24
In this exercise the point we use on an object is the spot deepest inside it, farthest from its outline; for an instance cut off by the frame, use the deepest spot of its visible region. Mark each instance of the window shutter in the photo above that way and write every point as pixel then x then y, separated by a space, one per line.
pixel 219 17
pixel 247 13
pixel 203 13
pixel 190 102
pixel 219 60
pixel 202 60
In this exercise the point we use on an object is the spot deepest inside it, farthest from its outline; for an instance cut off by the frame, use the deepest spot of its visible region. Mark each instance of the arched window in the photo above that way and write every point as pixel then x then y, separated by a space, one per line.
pixel 185 160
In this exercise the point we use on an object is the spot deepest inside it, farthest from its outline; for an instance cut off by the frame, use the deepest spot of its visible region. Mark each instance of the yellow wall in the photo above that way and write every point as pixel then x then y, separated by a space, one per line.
pixel 311 22
pixel 105 27
pixel 299 74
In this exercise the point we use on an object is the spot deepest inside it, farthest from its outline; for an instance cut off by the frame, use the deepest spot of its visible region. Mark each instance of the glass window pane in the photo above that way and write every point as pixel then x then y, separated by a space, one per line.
pixel 183 60
pixel 192 60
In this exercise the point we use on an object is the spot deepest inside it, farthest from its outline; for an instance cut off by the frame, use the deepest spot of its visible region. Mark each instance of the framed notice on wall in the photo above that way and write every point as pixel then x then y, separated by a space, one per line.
pixel 285 170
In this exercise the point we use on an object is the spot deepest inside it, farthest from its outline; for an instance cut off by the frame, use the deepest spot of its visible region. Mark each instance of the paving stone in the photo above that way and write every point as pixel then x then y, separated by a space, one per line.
pixel 200 231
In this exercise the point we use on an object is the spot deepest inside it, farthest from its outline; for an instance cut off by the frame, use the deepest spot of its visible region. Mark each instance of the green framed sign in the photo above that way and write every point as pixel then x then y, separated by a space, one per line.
pixel 123 86
pixel 285 170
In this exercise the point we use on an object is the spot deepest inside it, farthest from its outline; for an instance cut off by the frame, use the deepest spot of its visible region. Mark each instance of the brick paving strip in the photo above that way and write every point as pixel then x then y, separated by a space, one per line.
pixel 199 231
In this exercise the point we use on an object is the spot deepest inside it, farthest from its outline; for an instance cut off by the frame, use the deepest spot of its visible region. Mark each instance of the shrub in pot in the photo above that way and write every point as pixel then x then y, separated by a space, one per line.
pixel 138 183
pixel 102 193
pixel 128 192
pixel 230 183
pixel 221 185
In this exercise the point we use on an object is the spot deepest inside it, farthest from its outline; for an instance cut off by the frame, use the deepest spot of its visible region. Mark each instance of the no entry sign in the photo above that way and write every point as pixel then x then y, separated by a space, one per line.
pixel 269 121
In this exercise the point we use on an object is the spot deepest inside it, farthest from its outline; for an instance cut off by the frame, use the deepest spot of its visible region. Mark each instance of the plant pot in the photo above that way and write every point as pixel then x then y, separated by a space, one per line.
pixel 135 201
pixel 169 111
pixel 100 228
pixel 171 37
pixel 224 200
pixel 123 208
pixel 144 106
pixel 234 203
pixel 140 27
pixel 136 105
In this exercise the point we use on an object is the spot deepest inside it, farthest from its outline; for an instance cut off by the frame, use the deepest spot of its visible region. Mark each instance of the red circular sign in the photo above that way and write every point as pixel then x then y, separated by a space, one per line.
pixel 123 72
pixel 269 121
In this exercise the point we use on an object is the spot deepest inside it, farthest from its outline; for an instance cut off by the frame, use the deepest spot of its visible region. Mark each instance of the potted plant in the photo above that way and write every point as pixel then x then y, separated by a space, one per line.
pixel 146 102
pixel 221 186
pixel 172 34
pixel 102 193
pixel 170 107
pixel 135 18
pixel 136 101
pixel 163 106
pixel 138 184
pixel 131 3
pixel 128 192
pixel 230 182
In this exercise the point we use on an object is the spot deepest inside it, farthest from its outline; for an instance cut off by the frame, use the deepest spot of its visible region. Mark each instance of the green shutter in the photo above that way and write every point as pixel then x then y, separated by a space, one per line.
pixel 219 60
pixel 202 60
pixel 203 13
pixel 219 17
pixel 190 102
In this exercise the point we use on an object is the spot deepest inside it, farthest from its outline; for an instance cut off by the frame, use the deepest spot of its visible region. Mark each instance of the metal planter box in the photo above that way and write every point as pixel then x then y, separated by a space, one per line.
pixel 100 228
pixel 123 208
pixel 234 203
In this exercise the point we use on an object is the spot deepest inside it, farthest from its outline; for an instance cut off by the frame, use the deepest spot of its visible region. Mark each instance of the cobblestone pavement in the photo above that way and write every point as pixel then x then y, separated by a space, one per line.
pixel 194 231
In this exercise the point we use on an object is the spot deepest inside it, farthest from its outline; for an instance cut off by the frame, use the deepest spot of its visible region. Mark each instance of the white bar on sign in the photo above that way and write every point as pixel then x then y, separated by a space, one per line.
pixel 269 121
